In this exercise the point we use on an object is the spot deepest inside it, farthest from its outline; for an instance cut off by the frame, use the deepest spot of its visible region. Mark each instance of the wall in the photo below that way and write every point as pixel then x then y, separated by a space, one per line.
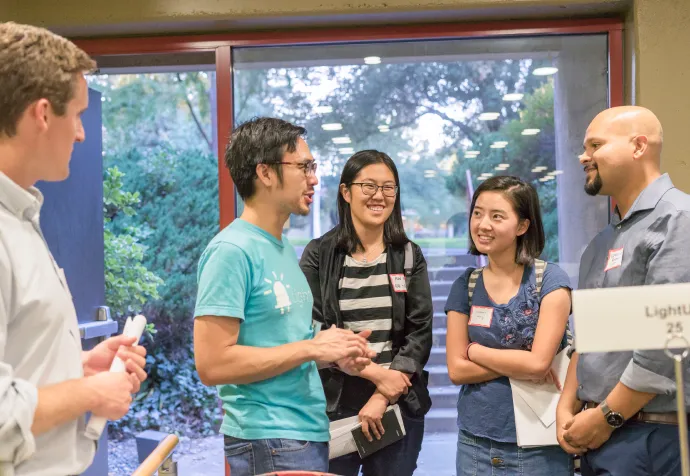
pixel 662 77
pixel 126 11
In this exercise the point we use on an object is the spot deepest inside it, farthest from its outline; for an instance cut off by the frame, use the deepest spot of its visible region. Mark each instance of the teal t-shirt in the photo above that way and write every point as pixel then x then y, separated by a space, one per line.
pixel 248 274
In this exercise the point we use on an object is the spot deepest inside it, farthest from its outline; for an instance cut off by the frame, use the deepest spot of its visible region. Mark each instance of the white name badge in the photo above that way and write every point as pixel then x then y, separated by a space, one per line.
pixel 481 316
pixel 615 259
pixel 398 283
pixel 631 318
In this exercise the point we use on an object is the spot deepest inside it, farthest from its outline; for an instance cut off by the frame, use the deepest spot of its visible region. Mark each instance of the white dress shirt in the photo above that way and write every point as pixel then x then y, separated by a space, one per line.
pixel 39 343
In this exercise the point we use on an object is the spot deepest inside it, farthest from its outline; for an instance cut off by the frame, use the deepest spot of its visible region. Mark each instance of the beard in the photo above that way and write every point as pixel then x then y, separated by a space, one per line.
pixel 593 187
pixel 302 212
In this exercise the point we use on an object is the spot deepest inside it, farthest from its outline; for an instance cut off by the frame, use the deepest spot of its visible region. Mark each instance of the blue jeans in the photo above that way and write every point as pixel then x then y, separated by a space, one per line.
pixel 636 449
pixel 253 457
pixel 484 457
pixel 398 459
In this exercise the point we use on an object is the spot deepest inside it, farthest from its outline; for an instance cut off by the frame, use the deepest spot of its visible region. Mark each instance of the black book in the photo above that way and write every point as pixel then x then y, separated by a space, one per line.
pixel 393 432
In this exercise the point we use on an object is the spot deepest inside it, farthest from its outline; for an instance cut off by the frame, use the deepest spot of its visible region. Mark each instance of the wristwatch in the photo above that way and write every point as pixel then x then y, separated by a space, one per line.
pixel 614 419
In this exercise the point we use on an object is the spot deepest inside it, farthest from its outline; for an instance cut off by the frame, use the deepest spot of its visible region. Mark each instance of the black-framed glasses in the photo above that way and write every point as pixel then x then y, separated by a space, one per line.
pixel 372 188
pixel 308 167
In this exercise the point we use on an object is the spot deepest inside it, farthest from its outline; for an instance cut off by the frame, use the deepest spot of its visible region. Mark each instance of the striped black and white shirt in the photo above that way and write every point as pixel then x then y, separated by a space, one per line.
pixel 366 303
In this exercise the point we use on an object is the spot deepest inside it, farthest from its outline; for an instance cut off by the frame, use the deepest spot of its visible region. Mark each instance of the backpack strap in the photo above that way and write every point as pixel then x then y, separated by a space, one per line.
pixel 472 283
pixel 409 259
pixel 539 267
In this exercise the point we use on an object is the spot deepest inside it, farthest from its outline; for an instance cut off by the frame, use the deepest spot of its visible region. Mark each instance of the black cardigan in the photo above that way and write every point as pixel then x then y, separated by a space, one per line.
pixel 412 313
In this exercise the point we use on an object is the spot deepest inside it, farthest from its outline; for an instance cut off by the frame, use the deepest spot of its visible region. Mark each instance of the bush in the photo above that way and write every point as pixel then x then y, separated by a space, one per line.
pixel 177 216
pixel 172 399
pixel 128 283
pixel 174 211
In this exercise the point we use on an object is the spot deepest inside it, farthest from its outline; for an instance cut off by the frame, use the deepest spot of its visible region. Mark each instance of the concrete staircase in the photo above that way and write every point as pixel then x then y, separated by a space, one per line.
pixel 444 267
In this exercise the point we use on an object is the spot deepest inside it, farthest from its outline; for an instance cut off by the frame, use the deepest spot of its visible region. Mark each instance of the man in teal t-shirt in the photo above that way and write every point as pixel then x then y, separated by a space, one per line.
pixel 253 334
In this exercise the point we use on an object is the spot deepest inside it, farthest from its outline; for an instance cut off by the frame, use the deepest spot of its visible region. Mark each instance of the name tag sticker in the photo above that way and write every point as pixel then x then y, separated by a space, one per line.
pixel 481 316
pixel 398 283
pixel 615 259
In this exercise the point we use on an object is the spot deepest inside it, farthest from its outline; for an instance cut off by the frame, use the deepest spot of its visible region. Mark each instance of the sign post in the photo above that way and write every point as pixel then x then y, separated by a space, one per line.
pixel 639 318
pixel 680 399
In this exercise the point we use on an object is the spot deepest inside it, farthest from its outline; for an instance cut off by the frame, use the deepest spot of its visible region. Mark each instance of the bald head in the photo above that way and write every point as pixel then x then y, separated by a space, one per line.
pixel 632 121
pixel 622 145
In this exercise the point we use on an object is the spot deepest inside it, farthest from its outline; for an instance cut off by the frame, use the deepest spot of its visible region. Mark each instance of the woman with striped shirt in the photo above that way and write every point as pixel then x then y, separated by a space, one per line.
pixel 366 274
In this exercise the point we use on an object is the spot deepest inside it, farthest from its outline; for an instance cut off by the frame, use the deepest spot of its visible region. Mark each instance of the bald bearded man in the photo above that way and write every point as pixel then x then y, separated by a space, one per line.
pixel 618 408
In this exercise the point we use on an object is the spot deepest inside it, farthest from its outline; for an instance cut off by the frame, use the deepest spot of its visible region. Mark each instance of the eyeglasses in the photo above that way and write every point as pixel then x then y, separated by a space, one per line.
pixel 308 167
pixel 372 188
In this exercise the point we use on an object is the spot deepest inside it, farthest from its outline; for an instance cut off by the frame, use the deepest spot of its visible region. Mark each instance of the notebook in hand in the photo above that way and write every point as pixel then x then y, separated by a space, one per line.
pixel 394 430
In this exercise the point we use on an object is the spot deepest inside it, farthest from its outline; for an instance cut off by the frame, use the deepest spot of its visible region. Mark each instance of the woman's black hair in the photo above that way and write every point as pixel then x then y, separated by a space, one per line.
pixel 525 202
pixel 393 229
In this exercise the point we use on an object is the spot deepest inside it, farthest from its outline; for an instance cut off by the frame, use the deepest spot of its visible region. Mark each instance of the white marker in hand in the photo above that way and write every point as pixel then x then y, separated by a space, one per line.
pixel 133 328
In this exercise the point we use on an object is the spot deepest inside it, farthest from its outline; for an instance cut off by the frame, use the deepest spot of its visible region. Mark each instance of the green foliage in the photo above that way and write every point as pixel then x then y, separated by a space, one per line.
pixel 406 97
pixel 523 153
pixel 549 216
pixel 148 111
pixel 115 199
pixel 178 215
pixel 174 213
pixel 157 144
pixel 172 399
pixel 128 283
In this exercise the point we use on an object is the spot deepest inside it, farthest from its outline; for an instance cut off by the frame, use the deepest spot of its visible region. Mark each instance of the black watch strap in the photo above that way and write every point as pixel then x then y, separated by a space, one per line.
pixel 614 419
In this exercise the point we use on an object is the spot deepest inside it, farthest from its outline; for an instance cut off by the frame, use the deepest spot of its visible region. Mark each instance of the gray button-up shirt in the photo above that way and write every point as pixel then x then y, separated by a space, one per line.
pixel 655 238
pixel 39 343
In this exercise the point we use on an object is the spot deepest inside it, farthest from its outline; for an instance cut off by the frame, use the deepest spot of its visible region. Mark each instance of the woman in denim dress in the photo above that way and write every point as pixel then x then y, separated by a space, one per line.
pixel 512 326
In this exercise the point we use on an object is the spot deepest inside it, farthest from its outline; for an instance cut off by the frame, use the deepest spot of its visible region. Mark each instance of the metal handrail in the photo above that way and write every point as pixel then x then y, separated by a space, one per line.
pixel 160 458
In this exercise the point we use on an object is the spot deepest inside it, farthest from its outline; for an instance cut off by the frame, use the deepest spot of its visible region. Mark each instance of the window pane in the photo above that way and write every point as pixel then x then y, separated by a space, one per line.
pixel 450 113
pixel 161 210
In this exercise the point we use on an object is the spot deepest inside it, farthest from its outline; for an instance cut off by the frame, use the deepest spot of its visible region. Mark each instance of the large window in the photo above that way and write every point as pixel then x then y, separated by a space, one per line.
pixel 450 113
pixel 161 210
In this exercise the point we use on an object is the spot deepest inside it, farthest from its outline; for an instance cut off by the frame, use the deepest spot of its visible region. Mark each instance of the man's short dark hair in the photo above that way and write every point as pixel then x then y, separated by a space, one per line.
pixel 263 140
pixel 525 201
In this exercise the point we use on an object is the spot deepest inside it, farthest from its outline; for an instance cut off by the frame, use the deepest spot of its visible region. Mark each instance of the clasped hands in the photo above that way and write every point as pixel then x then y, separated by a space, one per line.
pixel 587 430
pixel 349 351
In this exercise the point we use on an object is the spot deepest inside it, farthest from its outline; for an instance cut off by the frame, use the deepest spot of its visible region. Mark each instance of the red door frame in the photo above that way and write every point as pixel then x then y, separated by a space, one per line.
pixel 222 44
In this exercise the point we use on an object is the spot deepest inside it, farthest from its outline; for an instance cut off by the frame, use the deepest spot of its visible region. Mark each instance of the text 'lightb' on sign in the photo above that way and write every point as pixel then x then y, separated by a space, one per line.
pixel 631 318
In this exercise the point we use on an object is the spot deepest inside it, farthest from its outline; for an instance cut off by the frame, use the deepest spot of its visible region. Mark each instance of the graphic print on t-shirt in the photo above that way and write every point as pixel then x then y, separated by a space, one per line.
pixel 280 291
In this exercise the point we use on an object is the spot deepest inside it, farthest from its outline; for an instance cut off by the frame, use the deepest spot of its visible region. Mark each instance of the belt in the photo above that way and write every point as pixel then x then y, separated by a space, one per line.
pixel 646 417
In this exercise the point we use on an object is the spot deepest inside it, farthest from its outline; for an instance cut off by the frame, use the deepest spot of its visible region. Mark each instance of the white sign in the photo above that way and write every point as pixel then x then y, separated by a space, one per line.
pixel 631 318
